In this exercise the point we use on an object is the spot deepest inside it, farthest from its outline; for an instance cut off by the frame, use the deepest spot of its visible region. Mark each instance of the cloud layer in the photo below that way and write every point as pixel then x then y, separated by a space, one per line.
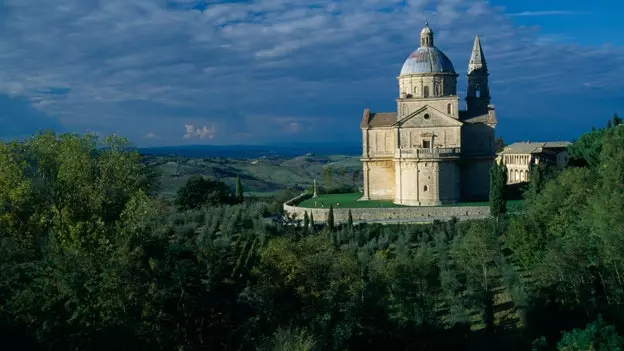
pixel 178 71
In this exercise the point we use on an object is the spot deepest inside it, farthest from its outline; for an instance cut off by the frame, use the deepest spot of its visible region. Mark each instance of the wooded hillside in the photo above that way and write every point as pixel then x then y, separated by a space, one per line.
pixel 91 258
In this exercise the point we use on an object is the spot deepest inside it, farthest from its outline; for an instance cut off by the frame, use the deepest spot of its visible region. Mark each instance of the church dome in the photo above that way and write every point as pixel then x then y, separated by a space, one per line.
pixel 427 59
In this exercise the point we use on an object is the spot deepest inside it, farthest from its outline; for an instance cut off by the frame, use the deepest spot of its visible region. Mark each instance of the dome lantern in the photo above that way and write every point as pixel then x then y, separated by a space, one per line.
pixel 426 36
pixel 427 58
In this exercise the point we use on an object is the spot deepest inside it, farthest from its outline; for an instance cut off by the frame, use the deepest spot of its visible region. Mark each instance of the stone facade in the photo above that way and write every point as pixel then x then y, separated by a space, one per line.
pixel 387 215
pixel 429 152
pixel 519 157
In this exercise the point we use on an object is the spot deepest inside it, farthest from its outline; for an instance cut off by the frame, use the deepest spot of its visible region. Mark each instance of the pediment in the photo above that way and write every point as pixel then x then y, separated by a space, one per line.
pixel 428 116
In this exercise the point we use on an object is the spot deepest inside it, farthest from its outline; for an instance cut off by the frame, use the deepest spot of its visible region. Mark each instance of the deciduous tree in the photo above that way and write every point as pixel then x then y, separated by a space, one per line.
pixel 199 191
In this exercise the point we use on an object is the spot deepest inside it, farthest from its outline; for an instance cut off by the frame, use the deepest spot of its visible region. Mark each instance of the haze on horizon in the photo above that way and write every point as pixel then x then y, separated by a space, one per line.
pixel 181 72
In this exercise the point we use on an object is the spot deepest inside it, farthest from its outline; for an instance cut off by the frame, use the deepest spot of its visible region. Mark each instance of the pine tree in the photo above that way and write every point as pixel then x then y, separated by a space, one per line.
pixel 330 218
pixel 306 220
pixel 616 120
pixel 239 191
pixel 498 177
pixel 350 220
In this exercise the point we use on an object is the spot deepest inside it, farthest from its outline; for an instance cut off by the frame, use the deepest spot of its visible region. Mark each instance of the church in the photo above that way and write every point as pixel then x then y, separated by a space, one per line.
pixel 429 152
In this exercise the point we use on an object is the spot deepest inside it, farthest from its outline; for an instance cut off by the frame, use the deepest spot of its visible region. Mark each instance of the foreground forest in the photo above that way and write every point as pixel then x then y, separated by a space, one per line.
pixel 92 259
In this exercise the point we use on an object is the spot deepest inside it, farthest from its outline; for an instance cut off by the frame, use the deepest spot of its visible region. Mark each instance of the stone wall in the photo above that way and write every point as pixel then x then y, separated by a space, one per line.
pixel 394 214
pixel 478 139
pixel 476 179
pixel 438 84
pixel 379 179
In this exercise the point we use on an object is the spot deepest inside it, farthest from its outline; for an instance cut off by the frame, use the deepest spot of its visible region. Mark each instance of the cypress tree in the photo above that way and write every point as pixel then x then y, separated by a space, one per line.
pixel 609 124
pixel 537 179
pixel 239 190
pixel 330 217
pixel 498 177
pixel 311 221
pixel 350 220
pixel 616 120
pixel 306 220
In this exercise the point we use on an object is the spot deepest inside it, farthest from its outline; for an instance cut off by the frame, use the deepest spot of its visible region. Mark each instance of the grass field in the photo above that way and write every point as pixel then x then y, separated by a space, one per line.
pixel 351 201
pixel 345 200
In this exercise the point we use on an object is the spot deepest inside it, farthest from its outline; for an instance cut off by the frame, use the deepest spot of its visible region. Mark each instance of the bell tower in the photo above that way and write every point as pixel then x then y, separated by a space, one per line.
pixel 478 94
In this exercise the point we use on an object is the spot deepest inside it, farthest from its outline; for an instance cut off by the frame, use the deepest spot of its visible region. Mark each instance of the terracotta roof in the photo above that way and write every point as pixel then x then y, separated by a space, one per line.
pixel 378 119
pixel 365 118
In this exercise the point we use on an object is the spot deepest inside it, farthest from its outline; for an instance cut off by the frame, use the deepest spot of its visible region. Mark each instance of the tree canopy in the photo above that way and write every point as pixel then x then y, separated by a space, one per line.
pixel 92 259
pixel 199 191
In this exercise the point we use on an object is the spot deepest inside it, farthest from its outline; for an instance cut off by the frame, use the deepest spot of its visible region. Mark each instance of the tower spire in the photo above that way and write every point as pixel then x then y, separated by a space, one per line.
pixel 478 94
pixel 477 59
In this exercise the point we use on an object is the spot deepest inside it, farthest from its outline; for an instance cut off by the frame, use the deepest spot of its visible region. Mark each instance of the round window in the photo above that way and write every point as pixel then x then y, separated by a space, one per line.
pixel 427 116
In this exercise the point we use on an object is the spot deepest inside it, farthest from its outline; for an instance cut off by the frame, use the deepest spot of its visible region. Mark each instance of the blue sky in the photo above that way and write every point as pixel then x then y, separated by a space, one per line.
pixel 173 72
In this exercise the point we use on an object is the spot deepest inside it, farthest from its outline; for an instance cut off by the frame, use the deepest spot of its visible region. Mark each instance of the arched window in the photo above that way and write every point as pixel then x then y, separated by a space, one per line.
pixel 449 109
pixel 415 90
pixel 426 91
pixel 477 91
pixel 425 188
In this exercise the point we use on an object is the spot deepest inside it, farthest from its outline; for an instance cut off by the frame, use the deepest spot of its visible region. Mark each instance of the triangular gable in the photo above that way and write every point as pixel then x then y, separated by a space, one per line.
pixel 436 118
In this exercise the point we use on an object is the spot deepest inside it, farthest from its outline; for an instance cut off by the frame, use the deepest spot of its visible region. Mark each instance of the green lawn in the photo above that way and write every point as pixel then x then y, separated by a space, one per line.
pixel 351 201
pixel 345 200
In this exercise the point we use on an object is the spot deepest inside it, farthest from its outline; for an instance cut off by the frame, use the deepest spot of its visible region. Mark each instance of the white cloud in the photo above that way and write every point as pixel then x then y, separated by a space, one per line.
pixel 151 135
pixel 545 13
pixel 127 64
pixel 293 127
pixel 206 133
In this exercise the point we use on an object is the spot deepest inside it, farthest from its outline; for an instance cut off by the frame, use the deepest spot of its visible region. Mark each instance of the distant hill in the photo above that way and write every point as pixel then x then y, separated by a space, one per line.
pixel 256 151
pixel 261 175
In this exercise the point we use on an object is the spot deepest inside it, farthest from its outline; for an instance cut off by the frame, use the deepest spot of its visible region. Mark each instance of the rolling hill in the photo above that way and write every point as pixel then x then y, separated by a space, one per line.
pixel 260 176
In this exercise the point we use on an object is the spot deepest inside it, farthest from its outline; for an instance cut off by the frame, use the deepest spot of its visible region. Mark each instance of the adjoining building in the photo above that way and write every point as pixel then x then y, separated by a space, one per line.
pixel 519 157
pixel 429 152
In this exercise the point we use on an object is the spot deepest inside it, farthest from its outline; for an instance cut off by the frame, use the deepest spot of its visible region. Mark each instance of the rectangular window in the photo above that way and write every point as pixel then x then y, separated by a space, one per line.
pixel 426 144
